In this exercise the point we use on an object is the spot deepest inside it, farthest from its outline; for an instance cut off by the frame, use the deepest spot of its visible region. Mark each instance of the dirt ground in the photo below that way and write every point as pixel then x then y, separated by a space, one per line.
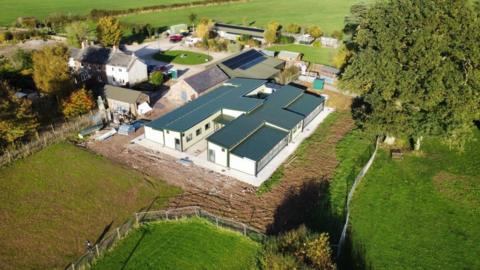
pixel 219 194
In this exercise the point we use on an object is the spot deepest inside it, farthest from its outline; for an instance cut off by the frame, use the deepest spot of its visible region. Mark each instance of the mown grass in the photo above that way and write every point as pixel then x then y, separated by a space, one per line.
pixel 182 57
pixel 12 9
pixel 328 14
pixel 421 212
pixel 56 199
pixel 311 54
pixel 184 244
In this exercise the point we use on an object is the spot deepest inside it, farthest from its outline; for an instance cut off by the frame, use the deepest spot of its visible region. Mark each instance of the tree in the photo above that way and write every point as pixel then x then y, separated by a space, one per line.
pixel 109 31
pixel 192 18
pixel 315 31
pixel 416 67
pixel 16 117
pixel 294 28
pixel 341 58
pixel 271 32
pixel 156 78
pixel 22 60
pixel 337 34
pixel 357 13
pixel 79 102
pixel 205 28
pixel 77 32
pixel 50 70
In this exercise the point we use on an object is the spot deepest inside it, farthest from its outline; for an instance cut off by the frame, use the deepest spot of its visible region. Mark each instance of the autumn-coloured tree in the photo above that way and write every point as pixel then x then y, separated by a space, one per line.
pixel 109 31
pixel 341 57
pixel 315 31
pixel 79 102
pixel 50 70
pixel 204 28
pixel 271 32
pixel 293 28
pixel 16 117
pixel 319 253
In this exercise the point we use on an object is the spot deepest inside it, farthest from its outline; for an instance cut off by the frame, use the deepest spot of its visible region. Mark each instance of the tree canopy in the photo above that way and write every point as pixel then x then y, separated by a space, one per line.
pixel 16 117
pixel 416 66
pixel 79 102
pixel 50 70
pixel 77 32
pixel 109 31
pixel 204 28
pixel 271 32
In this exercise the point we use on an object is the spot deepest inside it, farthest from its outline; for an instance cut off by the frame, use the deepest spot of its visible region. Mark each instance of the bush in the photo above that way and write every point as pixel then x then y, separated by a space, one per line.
pixel 315 31
pixel 337 34
pixel 156 78
pixel 234 47
pixel 293 28
pixel 79 102
pixel 317 44
pixel 286 40
pixel 6 36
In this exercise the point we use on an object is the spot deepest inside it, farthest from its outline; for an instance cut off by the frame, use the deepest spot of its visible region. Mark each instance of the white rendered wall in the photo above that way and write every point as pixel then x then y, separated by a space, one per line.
pixel 221 157
pixel 115 76
pixel 170 137
pixel 242 164
pixel 154 135
pixel 137 72
pixel 204 132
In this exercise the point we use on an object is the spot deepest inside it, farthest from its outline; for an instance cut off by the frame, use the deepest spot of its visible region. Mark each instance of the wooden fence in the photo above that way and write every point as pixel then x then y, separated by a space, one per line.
pixel 111 238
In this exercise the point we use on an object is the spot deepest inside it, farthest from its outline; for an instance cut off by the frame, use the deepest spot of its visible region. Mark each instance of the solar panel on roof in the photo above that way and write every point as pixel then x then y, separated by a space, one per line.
pixel 242 59
pixel 252 63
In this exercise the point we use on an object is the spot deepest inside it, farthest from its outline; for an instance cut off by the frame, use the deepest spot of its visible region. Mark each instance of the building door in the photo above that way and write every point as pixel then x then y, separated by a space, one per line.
pixel 177 145
pixel 211 155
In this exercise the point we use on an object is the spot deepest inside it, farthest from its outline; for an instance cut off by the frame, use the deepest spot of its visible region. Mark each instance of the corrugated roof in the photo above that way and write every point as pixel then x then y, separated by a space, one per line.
pixel 265 69
pixel 121 94
pixel 288 54
pixel 206 79
pixel 240 30
pixel 227 96
pixel 306 104
pixel 259 143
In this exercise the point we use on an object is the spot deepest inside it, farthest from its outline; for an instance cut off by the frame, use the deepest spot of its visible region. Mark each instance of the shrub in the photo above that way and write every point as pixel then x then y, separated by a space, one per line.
pixel 337 34
pixel 317 44
pixel 234 47
pixel 286 40
pixel 6 36
pixel 156 78
pixel 79 102
pixel 318 252
pixel 315 31
pixel 293 28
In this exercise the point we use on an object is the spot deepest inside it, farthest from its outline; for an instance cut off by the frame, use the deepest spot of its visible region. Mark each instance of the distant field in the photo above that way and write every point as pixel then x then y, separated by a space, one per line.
pixel 422 212
pixel 56 199
pixel 184 244
pixel 328 14
pixel 310 54
pixel 12 9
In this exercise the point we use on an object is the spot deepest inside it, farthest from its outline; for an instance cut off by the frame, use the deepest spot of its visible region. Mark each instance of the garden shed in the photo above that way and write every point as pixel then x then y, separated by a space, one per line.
pixel 124 101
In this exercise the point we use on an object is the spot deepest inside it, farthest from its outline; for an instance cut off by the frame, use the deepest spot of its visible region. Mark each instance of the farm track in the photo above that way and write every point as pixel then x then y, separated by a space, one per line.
pixel 303 179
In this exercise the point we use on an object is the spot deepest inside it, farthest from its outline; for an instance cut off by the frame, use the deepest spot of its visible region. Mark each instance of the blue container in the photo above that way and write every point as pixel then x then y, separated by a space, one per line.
pixel 318 84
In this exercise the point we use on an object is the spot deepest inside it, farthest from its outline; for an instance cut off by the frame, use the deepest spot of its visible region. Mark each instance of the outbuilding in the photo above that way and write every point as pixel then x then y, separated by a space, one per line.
pixel 124 101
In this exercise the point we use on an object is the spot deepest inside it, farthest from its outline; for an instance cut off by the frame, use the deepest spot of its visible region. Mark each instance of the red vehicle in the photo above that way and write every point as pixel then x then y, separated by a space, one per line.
pixel 176 38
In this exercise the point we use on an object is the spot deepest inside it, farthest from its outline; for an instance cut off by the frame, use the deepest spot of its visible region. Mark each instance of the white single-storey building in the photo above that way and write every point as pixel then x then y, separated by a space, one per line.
pixel 246 122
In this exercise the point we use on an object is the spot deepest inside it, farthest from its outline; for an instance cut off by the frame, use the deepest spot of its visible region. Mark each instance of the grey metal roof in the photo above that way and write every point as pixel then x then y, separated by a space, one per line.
pixel 288 54
pixel 256 68
pixel 240 30
pixel 230 95
pixel 121 94
pixel 306 104
pixel 259 143
pixel 206 79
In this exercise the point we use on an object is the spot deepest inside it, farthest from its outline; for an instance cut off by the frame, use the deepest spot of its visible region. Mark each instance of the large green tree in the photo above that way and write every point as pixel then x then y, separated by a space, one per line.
pixel 16 117
pixel 416 66
pixel 109 31
pixel 77 32
pixel 50 70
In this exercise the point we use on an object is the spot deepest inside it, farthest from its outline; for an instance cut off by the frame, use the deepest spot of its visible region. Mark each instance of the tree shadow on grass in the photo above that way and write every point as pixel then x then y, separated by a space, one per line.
pixel 145 231
pixel 310 204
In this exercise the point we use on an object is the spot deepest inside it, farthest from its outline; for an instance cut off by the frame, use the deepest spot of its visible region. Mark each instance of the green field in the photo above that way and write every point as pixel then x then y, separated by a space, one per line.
pixel 328 14
pixel 422 212
pixel 12 9
pixel 184 244
pixel 310 53
pixel 56 199
pixel 182 57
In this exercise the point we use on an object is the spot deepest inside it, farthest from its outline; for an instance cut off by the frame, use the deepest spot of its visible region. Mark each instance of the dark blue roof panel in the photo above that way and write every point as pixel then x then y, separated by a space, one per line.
pixel 259 143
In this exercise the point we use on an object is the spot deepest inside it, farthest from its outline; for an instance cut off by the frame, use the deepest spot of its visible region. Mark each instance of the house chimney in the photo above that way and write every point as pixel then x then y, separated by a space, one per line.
pixel 84 44
pixel 114 48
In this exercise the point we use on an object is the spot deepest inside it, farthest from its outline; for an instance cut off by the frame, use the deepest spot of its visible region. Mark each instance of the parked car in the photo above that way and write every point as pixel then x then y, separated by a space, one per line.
pixel 176 38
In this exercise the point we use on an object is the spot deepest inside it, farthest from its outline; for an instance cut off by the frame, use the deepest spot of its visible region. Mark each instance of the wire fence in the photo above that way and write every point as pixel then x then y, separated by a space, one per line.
pixel 111 238
pixel 46 136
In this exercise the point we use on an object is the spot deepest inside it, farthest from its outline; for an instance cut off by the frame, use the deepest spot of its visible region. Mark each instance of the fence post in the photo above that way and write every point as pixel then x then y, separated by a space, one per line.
pixel 216 220
pixel 118 233
pixel 244 229
pixel 136 219
pixel 166 215
pixel 73 266
pixel 96 249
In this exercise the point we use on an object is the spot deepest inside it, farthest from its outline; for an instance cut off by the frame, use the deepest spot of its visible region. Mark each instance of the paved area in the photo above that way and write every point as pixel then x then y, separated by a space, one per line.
pixel 200 159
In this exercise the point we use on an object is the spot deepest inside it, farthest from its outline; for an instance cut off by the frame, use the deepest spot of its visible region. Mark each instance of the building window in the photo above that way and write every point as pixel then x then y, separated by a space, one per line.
pixel 223 149
pixel 189 137
pixel 207 126
pixel 198 132
pixel 113 69
pixel 168 132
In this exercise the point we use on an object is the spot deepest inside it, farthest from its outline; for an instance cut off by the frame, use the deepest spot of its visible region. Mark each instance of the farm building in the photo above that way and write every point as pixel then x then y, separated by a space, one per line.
pixel 329 74
pixel 123 101
pixel 329 42
pixel 251 64
pixel 289 57
pixel 178 29
pixel 233 32
pixel 244 122
pixel 192 87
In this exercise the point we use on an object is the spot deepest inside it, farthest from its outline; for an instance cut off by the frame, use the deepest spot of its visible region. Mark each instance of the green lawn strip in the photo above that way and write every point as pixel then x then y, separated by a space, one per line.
pixel 421 212
pixel 54 200
pixel 184 244
pixel 182 57
pixel 328 14
pixel 310 53
pixel 318 135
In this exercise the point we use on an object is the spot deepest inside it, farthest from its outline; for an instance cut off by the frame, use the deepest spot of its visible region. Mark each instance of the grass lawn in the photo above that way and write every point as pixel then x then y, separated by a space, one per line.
pixel 184 244
pixel 56 199
pixel 12 9
pixel 328 14
pixel 422 212
pixel 310 54
pixel 182 57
